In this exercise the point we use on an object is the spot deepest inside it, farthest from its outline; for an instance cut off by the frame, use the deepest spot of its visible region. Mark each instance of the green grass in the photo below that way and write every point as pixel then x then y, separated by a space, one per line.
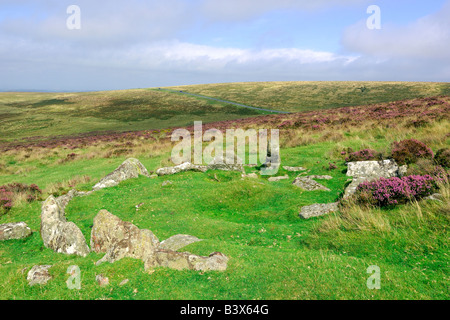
pixel 273 253
pixel 50 114
pixel 298 96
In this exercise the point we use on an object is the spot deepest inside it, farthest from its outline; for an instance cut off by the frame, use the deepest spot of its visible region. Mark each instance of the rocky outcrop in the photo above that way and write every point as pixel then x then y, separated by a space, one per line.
pixel 177 242
pixel 309 184
pixel 57 233
pixel 17 230
pixel 186 166
pixel 39 275
pixel 130 168
pixel 120 239
pixel 362 171
pixel 318 209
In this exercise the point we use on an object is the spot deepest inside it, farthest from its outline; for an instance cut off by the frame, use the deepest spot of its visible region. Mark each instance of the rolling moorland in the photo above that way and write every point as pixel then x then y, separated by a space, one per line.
pixel 63 141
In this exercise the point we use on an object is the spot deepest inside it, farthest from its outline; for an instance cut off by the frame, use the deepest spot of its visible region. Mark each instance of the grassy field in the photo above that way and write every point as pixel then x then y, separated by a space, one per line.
pixel 273 253
pixel 25 115
pixel 301 96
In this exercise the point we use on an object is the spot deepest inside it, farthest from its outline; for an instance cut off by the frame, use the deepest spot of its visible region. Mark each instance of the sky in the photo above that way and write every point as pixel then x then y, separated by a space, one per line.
pixel 117 44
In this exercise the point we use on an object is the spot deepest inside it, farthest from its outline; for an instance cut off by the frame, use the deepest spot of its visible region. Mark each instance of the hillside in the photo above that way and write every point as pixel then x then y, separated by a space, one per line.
pixel 301 96
pixel 274 254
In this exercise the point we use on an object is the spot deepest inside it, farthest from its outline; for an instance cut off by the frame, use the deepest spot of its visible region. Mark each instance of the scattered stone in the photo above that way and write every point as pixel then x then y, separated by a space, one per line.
pixel 186 166
pixel 318 209
pixel 139 205
pixel 39 275
pixel 153 176
pixel 57 233
pixel 124 282
pixel 275 179
pixel 309 184
pixel 16 230
pixel 250 175
pixel 130 168
pixel 320 177
pixel 101 280
pixel 362 171
pixel 177 242
pixel 184 260
pixel 294 169
pixel 166 183
pixel 229 162
pixel 434 197
pixel 120 239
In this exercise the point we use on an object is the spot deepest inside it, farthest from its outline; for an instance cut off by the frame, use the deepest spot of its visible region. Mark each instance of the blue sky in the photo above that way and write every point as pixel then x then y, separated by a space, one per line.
pixel 137 44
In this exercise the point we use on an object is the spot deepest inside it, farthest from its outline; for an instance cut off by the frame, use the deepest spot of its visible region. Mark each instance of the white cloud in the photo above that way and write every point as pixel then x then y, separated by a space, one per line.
pixel 426 38
pixel 234 10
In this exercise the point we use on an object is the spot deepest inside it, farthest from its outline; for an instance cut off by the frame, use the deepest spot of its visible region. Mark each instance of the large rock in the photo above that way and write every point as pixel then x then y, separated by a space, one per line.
pixel 120 239
pixel 17 230
pixel 309 184
pixel 177 242
pixel 39 275
pixel 318 209
pixel 57 233
pixel 362 171
pixel 186 166
pixel 130 168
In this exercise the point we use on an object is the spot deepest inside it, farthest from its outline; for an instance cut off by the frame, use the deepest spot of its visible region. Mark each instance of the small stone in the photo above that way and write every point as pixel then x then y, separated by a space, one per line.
pixel 39 275
pixel 124 282
pixel 18 230
pixel 309 184
pixel 275 179
pixel 318 209
pixel 101 280
pixel 294 169
pixel 250 175
pixel 166 183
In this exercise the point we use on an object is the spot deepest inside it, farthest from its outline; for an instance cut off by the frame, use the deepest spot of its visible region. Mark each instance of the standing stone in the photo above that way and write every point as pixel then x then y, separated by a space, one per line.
pixel 18 230
pixel 57 233
pixel 130 168
pixel 39 275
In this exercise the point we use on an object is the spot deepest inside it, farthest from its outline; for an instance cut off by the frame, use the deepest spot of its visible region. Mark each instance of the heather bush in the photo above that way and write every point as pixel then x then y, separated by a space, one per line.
pixel 10 192
pixel 387 192
pixel 409 151
pixel 363 155
pixel 442 157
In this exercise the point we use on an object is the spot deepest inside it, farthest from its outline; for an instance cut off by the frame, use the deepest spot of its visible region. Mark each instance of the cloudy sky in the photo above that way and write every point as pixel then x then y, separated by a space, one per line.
pixel 137 44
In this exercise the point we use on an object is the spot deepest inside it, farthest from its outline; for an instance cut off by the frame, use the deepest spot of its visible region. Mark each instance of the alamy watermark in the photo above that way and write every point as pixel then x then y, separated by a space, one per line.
pixel 73 22
pixel 260 146
pixel 374 281
pixel 374 21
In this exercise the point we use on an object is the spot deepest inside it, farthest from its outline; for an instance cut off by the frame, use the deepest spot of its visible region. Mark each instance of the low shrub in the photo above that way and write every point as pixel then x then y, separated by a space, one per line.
pixel 409 151
pixel 9 193
pixel 387 192
pixel 442 157
pixel 363 155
